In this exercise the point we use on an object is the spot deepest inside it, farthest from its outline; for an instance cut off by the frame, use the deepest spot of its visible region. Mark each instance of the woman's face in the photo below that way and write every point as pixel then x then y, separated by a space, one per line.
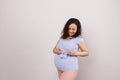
pixel 72 29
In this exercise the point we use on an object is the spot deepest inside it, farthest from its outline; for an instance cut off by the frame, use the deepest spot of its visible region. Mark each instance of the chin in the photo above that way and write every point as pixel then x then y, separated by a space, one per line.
pixel 71 35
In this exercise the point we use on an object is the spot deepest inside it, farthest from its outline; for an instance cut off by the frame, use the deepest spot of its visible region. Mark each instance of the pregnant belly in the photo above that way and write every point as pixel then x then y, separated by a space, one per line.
pixel 70 60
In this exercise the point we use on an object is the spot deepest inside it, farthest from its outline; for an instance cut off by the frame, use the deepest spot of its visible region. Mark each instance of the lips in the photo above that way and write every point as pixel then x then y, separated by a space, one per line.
pixel 71 33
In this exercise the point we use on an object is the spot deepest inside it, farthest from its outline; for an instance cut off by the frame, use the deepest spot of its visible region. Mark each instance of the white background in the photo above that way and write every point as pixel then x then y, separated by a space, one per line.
pixel 29 29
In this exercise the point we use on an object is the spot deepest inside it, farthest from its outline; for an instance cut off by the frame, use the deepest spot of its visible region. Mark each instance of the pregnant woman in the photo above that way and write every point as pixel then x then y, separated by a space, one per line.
pixel 69 46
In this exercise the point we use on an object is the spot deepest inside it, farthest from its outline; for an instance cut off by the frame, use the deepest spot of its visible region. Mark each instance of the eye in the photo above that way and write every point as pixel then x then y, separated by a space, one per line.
pixel 70 28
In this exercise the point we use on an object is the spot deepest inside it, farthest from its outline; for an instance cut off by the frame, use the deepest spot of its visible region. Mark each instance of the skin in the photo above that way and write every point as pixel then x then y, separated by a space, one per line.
pixel 71 75
pixel 67 75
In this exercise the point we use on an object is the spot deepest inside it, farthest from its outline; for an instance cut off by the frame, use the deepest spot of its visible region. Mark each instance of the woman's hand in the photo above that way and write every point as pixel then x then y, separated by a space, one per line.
pixel 71 52
pixel 57 50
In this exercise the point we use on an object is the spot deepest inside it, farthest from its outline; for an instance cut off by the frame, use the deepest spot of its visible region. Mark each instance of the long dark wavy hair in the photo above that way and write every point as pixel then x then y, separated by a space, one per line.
pixel 65 33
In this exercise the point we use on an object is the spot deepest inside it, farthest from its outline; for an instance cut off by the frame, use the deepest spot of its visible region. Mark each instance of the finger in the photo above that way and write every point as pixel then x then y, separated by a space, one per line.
pixel 69 52
pixel 59 49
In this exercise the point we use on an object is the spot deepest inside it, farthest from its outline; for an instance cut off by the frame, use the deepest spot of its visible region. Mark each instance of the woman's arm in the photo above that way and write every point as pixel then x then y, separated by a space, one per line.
pixel 84 50
pixel 57 50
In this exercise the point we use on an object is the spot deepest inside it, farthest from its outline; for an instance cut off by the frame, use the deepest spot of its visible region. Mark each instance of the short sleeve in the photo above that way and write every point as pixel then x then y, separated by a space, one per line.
pixel 79 40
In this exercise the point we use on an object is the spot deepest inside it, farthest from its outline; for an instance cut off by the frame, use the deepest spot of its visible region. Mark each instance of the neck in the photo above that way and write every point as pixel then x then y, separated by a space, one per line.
pixel 69 37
